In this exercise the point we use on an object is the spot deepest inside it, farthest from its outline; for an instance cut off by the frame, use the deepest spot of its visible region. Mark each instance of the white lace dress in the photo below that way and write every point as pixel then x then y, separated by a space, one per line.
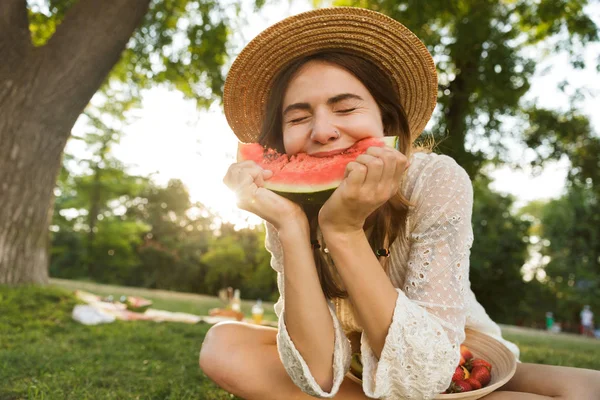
pixel 429 266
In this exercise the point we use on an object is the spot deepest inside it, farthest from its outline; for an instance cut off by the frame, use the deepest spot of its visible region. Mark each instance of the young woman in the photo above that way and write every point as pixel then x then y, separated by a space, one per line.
pixel 382 267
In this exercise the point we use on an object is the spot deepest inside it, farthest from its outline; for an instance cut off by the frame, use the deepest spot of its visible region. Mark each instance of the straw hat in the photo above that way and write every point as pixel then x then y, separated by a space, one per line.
pixel 372 35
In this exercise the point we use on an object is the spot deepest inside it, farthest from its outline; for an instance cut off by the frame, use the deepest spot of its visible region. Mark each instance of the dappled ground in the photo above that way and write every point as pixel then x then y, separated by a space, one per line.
pixel 44 354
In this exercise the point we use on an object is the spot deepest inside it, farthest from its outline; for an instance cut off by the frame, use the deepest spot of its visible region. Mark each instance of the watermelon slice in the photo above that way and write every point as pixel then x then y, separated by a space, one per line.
pixel 303 178
pixel 137 304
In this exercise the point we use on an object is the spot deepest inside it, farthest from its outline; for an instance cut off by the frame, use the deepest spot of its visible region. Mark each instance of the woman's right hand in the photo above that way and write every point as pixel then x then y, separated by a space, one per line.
pixel 246 179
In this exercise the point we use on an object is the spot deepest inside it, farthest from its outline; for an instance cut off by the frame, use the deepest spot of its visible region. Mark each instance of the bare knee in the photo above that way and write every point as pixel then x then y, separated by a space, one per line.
pixel 217 343
pixel 553 382
pixel 586 385
pixel 227 352
pixel 579 383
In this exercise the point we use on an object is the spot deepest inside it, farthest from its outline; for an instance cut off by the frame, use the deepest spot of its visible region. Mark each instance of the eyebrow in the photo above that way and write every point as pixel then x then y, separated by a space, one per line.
pixel 330 101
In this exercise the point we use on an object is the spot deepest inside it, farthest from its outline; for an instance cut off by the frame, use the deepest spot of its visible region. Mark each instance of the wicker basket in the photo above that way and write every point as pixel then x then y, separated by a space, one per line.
pixel 504 364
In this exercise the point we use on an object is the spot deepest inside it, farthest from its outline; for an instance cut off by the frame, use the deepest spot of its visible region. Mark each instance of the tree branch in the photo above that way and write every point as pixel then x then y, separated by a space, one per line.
pixel 15 38
pixel 84 49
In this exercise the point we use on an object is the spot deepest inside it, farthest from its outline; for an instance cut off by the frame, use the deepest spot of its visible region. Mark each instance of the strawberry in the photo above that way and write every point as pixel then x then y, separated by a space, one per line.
pixel 482 374
pixel 460 386
pixel 465 352
pixel 462 360
pixel 475 384
pixel 478 362
pixel 459 374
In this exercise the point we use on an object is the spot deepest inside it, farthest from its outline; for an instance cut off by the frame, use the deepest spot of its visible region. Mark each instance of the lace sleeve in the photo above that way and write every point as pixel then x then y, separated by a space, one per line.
pixel 292 360
pixel 273 246
pixel 421 349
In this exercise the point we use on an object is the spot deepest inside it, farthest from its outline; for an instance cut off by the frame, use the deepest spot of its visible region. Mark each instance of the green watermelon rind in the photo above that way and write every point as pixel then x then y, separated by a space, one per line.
pixel 307 197
pixel 137 304
pixel 301 188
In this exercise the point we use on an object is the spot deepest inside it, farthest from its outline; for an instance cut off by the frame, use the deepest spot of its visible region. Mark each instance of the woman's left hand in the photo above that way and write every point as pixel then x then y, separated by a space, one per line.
pixel 371 180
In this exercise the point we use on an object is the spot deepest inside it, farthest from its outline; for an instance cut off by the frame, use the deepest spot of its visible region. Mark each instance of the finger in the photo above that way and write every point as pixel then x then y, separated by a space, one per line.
pixel 246 180
pixel 355 174
pixel 251 182
pixel 388 156
pixel 270 206
pixel 261 176
pixel 402 164
pixel 394 166
pixel 374 167
pixel 245 187
pixel 267 174
pixel 244 184
pixel 242 170
pixel 247 163
pixel 231 172
pixel 256 173
pixel 259 180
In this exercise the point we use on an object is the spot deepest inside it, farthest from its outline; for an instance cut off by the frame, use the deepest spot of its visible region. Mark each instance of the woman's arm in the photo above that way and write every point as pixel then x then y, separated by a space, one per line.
pixel 307 316
pixel 314 350
pixel 367 284
pixel 293 361
pixel 420 350
pixel 371 180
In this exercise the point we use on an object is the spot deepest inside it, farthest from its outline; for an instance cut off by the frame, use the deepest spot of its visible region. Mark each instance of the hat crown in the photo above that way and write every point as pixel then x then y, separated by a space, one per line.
pixel 372 35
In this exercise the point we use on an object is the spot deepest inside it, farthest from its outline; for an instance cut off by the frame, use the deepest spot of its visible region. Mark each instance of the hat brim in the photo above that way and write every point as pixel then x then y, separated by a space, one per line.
pixel 372 35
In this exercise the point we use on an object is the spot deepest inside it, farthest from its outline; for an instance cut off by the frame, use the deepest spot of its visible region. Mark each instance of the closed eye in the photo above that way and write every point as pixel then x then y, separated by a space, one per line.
pixel 296 120
pixel 347 110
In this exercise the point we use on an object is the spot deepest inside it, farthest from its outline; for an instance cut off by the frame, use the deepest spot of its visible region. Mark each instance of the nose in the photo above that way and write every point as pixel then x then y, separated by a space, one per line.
pixel 323 131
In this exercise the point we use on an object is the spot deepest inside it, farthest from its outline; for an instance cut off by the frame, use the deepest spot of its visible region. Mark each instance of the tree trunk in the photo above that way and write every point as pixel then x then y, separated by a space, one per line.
pixel 29 163
pixel 472 29
pixel 456 126
pixel 42 92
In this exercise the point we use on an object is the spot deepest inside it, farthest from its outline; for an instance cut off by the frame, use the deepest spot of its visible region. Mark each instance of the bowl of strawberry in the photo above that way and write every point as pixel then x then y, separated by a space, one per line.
pixel 485 365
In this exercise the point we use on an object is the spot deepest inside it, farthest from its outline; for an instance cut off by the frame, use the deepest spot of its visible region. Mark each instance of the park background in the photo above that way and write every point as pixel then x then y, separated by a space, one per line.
pixel 113 146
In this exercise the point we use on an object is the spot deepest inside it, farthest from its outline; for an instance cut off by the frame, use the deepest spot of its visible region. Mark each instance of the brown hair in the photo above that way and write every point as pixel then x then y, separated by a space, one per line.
pixel 389 221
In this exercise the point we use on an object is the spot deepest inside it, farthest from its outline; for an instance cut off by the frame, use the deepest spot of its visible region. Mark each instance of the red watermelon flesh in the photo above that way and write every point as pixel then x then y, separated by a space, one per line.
pixel 305 178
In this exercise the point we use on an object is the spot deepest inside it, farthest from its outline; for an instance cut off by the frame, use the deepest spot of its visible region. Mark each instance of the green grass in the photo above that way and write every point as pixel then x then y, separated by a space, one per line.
pixel 566 350
pixel 44 354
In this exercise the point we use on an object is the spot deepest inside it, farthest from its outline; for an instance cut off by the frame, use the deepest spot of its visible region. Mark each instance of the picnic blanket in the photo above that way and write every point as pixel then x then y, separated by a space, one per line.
pixel 98 311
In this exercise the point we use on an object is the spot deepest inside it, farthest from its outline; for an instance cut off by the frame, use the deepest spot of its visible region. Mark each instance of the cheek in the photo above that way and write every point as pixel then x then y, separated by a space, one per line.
pixel 292 141
pixel 366 126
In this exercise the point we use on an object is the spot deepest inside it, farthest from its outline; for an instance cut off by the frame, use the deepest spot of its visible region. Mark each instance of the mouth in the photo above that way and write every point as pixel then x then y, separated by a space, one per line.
pixel 328 153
